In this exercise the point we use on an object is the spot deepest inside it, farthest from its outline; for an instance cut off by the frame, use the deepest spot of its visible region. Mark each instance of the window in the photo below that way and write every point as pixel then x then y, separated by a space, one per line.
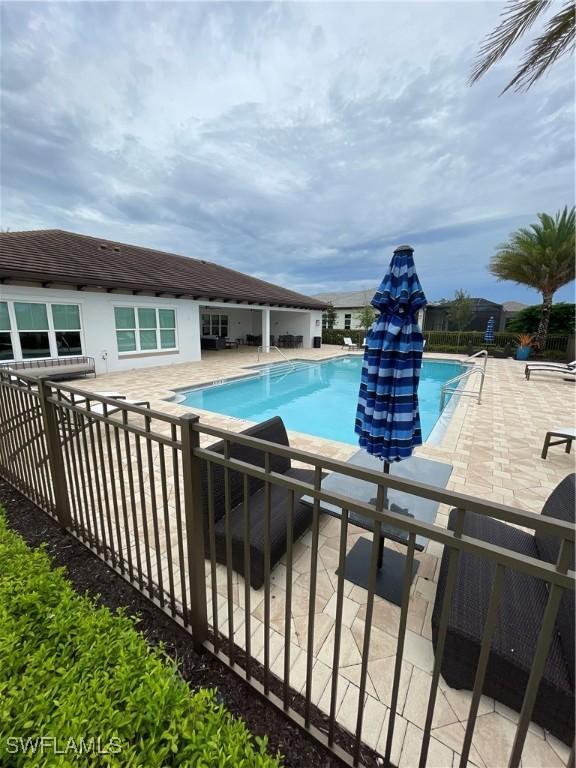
pixel 6 349
pixel 215 325
pixel 33 329
pixel 66 322
pixel 145 329
pixel 36 329
pixel 347 322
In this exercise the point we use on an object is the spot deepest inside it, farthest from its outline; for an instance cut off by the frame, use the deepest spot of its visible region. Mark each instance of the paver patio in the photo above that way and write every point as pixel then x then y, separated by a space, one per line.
pixel 494 448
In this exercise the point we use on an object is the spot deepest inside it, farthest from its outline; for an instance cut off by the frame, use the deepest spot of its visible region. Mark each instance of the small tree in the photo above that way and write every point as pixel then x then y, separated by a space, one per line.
pixel 329 317
pixel 460 311
pixel 366 317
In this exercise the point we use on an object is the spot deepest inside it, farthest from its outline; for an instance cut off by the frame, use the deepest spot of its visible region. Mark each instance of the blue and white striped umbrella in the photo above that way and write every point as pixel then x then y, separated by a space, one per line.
pixel 387 417
pixel 489 335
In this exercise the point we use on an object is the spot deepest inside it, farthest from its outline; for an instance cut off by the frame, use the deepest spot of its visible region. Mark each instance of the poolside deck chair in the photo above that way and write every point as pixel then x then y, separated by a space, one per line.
pixel 216 500
pixel 539 367
pixel 520 615
pixel 565 437
pixel 349 344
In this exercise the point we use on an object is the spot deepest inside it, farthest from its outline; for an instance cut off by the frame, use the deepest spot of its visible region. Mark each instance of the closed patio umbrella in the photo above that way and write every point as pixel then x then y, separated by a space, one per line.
pixel 489 335
pixel 387 417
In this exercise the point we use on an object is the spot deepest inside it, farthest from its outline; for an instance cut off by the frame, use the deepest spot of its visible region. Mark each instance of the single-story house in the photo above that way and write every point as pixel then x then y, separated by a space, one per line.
pixel 64 294
pixel 347 305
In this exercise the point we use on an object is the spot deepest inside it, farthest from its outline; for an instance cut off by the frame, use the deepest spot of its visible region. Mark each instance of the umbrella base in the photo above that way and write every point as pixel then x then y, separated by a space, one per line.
pixel 389 578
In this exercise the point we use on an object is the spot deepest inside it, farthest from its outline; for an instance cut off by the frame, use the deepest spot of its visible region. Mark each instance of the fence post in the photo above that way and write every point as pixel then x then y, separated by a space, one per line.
pixel 55 457
pixel 193 511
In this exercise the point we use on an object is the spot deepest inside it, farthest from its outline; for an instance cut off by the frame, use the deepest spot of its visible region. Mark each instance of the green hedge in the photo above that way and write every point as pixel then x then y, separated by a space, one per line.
pixel 85 680
pixel 335 336
pixel 466 342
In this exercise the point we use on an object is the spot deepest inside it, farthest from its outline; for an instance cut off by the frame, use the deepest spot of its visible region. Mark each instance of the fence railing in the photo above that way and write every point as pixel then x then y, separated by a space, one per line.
pixel 461 343
pixel 143 490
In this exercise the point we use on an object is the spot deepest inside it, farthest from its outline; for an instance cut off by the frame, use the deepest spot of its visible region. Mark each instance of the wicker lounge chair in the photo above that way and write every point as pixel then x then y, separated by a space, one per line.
pixel 274 431
pixel 521 608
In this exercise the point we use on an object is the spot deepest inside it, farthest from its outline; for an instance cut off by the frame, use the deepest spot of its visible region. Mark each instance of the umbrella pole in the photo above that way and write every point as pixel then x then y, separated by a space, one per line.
pixel 381 547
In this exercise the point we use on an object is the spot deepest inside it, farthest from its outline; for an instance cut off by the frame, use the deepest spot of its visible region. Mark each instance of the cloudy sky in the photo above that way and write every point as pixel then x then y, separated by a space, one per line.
pixel 297 142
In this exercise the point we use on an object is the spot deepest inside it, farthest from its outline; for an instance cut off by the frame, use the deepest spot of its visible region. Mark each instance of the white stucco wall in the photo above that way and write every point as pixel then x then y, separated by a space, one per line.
pixel 98 327
pixel 99 331
pixel 298 323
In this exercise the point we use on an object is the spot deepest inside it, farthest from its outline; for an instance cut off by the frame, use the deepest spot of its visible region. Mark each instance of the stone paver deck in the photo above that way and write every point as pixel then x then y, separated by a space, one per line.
pixel 494 448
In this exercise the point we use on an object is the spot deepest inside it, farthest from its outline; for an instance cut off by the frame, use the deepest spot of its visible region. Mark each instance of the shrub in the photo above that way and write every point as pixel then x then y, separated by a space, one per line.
pixel 527 320
pixel 73 671
pixel 336 336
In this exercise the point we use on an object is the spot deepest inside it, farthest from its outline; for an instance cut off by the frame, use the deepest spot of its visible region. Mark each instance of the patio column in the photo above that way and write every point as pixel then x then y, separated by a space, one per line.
pixel 266 329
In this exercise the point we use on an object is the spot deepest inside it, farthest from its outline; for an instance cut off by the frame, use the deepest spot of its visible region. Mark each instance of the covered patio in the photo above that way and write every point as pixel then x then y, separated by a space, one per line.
pixel 232 326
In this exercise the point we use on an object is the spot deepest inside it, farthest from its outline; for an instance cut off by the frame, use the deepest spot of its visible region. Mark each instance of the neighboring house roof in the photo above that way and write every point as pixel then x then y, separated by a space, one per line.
pixel 477 302
pixel 350 300
pixel 513 306
pixel 56 256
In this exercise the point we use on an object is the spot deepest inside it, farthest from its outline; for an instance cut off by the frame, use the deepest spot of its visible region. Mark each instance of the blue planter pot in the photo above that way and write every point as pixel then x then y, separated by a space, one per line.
pixel 522 353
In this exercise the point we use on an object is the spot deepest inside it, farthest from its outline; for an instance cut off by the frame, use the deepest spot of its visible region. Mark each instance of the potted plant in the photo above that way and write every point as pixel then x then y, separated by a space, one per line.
pixel 524 346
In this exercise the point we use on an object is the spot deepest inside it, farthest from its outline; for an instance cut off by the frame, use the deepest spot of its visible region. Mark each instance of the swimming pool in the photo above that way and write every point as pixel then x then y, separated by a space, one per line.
pixel 316 398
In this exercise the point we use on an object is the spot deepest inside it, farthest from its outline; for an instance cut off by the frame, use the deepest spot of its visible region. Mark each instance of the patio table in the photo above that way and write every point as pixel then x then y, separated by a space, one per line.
pixel 391 572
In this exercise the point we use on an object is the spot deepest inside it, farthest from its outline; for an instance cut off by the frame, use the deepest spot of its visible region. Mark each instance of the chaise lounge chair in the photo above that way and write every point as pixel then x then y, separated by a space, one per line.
pixel 539 367
pixel 349 344
pixel 273 431
pixel 520 615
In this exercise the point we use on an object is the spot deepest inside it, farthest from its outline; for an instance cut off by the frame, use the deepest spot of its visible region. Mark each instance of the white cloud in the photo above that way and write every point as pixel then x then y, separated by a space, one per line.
pixel 295 141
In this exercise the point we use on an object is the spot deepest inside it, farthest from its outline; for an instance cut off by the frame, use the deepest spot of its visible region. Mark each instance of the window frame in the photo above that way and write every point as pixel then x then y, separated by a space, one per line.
pixel 348 322
pixel 51 330
pixel 212 316
pixel 158 349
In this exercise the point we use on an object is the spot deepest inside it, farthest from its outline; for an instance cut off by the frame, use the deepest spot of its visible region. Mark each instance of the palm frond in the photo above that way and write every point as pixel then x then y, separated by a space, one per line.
pixel 518 17
pixel 557 39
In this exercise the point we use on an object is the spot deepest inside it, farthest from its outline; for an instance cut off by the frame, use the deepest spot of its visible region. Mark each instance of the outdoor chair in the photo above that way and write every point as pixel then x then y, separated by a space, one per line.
pixel 348 343
pixel 273 431
pixel 565 437
pixel 539 367
pixel 522 606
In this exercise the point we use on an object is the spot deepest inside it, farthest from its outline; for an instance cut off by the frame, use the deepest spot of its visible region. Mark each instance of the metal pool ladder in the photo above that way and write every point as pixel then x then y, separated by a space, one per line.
pixel 261 350
pixel 453 385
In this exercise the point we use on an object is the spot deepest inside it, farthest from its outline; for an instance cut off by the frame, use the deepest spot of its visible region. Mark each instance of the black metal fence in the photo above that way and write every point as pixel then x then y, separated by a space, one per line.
pixel 465 342
pixel 136 486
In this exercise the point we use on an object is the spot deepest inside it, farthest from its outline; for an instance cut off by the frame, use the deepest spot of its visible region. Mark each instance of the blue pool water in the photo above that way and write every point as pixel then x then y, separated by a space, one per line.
pixel 316 398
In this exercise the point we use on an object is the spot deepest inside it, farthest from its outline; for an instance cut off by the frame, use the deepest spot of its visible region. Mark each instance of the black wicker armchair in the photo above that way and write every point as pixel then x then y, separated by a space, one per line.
pixel 274 431
pixel 520 616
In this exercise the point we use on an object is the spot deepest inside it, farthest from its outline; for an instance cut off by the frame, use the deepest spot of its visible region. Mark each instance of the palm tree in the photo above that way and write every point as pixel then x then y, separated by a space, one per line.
pixel 541 256
pixel 556 40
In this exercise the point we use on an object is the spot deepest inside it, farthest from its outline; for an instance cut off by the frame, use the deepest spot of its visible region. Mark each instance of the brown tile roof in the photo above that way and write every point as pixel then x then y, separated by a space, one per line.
pixel 56 256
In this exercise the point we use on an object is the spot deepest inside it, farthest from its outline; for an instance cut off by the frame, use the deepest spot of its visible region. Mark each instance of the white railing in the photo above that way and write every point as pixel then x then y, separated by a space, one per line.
pixel 262 350
pixel 453 386
pixel 483 353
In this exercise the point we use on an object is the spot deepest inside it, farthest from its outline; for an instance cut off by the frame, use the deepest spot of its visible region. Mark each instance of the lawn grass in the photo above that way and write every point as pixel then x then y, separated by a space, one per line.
pixel 79 685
